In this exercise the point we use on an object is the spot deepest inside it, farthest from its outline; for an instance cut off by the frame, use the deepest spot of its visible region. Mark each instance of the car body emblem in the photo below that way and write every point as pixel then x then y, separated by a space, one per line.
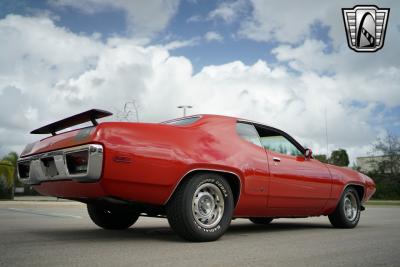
pixel 365 27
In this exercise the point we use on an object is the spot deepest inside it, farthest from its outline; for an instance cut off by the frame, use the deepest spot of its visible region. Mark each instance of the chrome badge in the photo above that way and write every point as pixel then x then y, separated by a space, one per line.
pixel 365 27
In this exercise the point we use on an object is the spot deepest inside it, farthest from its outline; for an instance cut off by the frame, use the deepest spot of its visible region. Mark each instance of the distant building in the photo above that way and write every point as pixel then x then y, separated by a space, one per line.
pixel 369 164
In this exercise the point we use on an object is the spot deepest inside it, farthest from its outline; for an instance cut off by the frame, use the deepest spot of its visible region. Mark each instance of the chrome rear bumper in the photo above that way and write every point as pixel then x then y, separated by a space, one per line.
pixel 55 165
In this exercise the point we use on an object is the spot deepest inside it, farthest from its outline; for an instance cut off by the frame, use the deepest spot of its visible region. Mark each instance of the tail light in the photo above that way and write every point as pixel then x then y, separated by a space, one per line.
pixel 23 169
pixel 77 162
pixel 50 168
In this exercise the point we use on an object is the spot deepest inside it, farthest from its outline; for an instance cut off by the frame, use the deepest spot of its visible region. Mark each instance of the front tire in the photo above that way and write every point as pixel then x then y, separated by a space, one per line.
pixel 112 219
pixel 201 208
pixel 347 212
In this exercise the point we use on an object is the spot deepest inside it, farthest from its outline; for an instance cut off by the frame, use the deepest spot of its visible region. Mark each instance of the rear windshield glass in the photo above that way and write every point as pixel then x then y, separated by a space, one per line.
pixel 184 121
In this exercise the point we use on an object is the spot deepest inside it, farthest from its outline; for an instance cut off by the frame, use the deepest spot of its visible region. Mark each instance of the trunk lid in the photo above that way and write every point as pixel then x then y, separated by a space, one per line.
pixel 59 141
pixel 66 139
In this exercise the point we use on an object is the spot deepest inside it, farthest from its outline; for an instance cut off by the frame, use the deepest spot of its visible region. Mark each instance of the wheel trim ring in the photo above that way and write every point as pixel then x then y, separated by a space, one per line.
pixel 350 207
pixel 208 205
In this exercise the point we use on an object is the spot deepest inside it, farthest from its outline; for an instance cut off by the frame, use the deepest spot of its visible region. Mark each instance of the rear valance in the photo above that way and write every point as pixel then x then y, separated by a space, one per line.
pixel 90 115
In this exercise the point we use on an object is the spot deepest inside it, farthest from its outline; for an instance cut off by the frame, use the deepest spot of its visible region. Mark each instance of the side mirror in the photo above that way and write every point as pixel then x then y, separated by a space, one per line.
pixel 308 153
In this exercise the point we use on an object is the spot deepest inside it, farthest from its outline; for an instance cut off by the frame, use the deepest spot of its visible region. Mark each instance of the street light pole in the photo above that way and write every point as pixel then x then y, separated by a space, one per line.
pixel 184 107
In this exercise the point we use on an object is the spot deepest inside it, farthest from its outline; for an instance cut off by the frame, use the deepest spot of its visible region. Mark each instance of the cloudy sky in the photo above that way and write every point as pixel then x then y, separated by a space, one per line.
pixel 283 63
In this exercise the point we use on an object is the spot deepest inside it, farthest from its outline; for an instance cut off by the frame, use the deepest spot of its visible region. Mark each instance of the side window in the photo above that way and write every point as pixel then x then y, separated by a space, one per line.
pixel 280 144
pixel 276 142
pixel 248 133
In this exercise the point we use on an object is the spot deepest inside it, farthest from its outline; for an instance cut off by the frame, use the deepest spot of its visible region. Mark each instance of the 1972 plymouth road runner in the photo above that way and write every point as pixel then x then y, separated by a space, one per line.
pixel 199 172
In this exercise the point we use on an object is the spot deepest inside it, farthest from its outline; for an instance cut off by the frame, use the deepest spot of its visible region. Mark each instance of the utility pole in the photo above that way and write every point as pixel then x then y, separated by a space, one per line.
pixel 326 135
pixel 184 107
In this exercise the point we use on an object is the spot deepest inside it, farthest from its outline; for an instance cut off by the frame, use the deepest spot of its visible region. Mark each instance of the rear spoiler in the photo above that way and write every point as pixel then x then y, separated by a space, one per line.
pixel 90 115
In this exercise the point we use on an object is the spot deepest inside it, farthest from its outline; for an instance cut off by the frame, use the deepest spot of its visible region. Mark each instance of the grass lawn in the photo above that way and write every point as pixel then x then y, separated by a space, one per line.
pixel 384 202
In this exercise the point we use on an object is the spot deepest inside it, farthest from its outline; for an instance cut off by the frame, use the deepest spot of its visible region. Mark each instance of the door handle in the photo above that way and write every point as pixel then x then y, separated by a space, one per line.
pixel 276 159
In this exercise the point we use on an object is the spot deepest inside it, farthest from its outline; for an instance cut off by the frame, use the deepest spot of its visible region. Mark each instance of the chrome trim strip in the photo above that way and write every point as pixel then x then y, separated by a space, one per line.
pixel 37 169
pixel 183 118
pixel 206 169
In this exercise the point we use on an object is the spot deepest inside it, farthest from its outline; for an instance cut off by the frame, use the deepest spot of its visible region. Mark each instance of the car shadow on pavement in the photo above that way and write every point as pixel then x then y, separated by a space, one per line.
pixel 160 233
pixel 250 228
pixel 89 235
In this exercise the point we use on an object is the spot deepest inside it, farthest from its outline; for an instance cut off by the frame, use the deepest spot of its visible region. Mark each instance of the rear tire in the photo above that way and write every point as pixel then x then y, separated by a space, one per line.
pixel 201 208
pixel 112 219
pixel 261 220
pixel 347 212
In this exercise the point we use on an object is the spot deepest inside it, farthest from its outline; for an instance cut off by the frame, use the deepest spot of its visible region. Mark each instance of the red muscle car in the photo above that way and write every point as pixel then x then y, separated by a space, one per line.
pixel 199 172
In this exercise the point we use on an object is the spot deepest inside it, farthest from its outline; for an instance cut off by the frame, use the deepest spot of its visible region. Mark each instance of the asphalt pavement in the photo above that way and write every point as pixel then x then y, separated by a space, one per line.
pixel 34 233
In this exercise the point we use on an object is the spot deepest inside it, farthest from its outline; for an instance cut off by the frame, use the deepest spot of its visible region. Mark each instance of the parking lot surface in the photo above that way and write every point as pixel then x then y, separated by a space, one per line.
pixel 61 234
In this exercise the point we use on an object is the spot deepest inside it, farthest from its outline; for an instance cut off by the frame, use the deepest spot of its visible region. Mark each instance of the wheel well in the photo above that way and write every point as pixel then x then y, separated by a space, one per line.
pixel 231 178
pixel 359 189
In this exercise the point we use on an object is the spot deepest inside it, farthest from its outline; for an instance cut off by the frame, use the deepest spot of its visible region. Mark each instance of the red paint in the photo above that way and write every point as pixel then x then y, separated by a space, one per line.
pixel 144 162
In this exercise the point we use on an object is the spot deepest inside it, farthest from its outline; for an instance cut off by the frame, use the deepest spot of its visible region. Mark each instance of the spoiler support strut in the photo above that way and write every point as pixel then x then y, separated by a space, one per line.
pixel 93 120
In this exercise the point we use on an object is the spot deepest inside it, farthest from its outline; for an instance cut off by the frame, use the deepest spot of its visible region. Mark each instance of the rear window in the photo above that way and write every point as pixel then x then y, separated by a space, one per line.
pixel 248 133
pixel 184 121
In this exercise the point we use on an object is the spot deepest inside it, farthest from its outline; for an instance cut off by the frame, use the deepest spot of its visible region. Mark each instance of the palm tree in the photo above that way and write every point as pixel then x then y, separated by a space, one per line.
pixel 12 157
pixel 6 180
pixel 8 169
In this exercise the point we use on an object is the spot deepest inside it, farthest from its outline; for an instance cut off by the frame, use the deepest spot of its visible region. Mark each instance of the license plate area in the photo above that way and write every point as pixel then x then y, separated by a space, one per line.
pixel 49 167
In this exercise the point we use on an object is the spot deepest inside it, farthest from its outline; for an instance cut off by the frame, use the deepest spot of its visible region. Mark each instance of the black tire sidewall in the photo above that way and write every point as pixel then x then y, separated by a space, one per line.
pixel 347 222
pixel 206 234
pixel 261 220
pixel 116 220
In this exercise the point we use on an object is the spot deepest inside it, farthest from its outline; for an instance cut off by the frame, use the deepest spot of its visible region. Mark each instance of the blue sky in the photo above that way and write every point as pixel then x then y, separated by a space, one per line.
pixel 112 22
pixel 182 26
pixel 256 59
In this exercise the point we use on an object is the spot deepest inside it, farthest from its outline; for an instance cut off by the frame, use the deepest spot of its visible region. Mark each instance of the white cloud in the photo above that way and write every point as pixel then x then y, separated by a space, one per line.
pixel 182 43
pixel 195 18
pixel 228 11
pixel 292 22
pixel 299 57
pixel 47 72
pixel 144 18
pixel 213 36
pixel 271 21
pixel 356 78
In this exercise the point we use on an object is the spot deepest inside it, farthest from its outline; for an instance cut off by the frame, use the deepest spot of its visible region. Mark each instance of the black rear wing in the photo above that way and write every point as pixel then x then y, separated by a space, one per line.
pixel 90 115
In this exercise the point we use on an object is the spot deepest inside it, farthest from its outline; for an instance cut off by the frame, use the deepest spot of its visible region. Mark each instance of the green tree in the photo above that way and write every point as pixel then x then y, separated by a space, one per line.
pixel 389 148
pixel 339 158
pixel 321 157
pixel 6 180
pixel 12 157
pixel 386 167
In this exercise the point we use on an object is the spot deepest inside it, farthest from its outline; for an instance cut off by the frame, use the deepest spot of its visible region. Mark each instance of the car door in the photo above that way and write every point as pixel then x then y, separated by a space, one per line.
pixel 253 201
pixel 298 185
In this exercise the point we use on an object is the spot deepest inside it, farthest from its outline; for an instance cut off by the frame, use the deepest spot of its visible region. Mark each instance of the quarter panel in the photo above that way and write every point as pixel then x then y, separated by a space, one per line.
pixel 158 156
pixel 341 177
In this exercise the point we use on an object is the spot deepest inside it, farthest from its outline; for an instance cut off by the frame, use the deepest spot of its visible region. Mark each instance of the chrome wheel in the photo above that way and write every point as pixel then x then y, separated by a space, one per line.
pixel 201 209
pixel 347 212
pixel 350 206
pixel 208 205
